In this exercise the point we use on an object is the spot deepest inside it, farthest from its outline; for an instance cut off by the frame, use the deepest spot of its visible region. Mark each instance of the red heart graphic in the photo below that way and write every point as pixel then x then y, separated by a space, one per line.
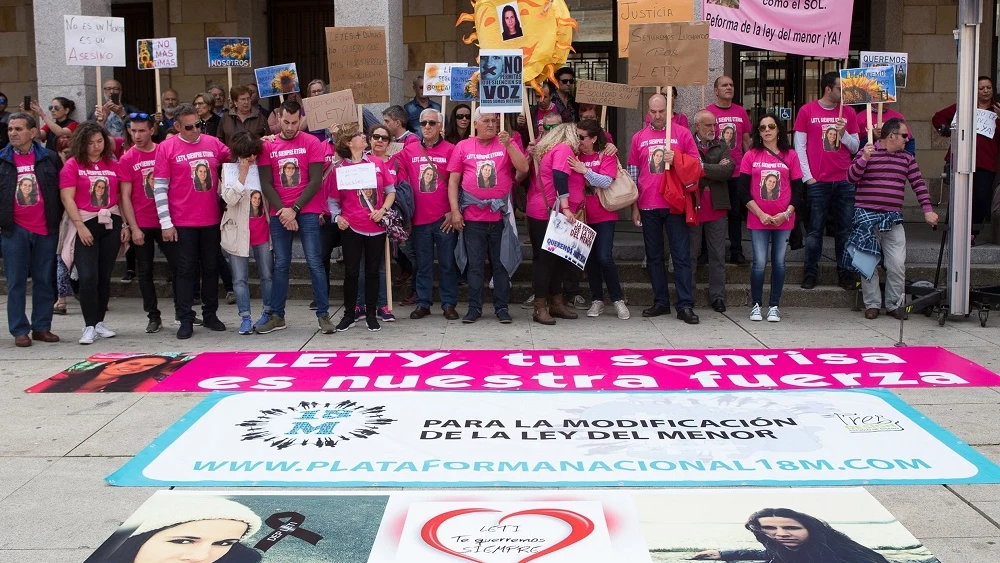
pixel 580 527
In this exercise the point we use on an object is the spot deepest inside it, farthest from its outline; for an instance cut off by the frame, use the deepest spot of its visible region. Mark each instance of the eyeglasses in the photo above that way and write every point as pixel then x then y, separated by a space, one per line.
pixel 200 104
pixel 142 116
pixel 377 137
pixel 428 123
pixel 190 127
pixel 550 126
pixel 112 89
pixel 767 127
pixel 463 116
pixel 568 80
pixel 54 108
pixel 583 137
pixel 904 135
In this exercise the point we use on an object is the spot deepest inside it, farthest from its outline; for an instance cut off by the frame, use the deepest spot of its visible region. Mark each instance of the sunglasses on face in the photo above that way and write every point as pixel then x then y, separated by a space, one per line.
pixel 583 137
pixel 140 116
pixel 767 127
pixel 904 135
pixel 463 115
pixel 54 108
pixel 378 137
pixel 190 127
pixel 3 100
pixel 568 80
pixel 428 123
pixel 550 127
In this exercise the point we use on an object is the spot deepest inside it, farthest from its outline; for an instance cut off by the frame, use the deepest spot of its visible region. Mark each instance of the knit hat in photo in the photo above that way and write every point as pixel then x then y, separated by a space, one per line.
pixel 170 510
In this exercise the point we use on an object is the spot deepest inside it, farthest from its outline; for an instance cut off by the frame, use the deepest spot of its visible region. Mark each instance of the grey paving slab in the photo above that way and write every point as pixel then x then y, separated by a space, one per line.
pixel 488 333
pixel 965 550
pixel 987 356
pixel 978 493
pixel 951 517
pixel 820 338
pixel 83 510
pixel 918 331
pixel 972 423
pixel 946 395
pixel 16 471
pixel 43 555
pixel 48 434
pixel 135 428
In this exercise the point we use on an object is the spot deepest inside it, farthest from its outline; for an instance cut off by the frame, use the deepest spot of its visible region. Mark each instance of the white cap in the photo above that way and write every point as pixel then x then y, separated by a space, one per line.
pixel 170 510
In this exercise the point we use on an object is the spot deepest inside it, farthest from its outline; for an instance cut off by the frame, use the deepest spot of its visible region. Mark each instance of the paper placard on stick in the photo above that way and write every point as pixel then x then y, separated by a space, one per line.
pixel 501 80
pixel 668 54
pixel 228 52
pixel 156 53
pixel 357 61
pixel 94 41
pixel 570 241
pixel 868 85
pixel 463 89
pixel 898 60
pixel 335 108
pixel 277 80
pixel 811 27
pixel 356 177
pixel 649 11
pixel 437 78
pixel 608 94
pixel 231 173
pixel 986 123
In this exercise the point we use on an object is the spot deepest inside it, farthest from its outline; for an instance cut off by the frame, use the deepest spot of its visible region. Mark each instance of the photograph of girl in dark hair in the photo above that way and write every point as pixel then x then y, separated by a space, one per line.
pixel 510 23
pixel 132 373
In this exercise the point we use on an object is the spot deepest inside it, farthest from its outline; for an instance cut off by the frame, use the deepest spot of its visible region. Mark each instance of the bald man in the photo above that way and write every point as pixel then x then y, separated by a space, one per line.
pixel 647 159
pixel 165 119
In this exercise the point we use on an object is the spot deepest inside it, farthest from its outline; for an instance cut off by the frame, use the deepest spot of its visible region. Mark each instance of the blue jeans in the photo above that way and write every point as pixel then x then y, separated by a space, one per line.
pixel 312 245
pixel 240 266
pixel 383 299
pixel 778 241
pixel 482 238
pixel 823 198
pixel 24 254
pixel 423 241
pixel 654 221
pixel 601 266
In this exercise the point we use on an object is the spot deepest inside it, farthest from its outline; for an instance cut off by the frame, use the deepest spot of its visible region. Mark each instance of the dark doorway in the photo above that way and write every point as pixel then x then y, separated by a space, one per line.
pixel 297 34
pixel 139 86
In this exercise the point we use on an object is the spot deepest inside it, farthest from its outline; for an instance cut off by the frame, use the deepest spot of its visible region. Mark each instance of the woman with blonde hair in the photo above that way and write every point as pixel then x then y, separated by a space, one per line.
pixel 554 183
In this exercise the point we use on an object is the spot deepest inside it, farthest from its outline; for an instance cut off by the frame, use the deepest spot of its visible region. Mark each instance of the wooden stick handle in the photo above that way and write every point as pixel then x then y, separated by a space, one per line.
pixel 868 112
pixel 159 93
pixel 670 120
pixel 388 275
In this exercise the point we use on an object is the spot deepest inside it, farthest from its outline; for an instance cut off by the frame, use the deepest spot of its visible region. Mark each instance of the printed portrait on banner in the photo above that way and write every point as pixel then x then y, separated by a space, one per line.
pixel 201 176
pixel 27 190
pixel 100 193
pixel 428 179
pixel 108 373
pixel 510 21
pixel 770 185
pixel 289 172
pixel 486 174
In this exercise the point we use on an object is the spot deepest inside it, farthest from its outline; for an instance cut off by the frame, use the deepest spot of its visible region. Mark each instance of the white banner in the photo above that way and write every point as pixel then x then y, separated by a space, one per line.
pixel 356 177
pixel 569 241
pixel 94 40
pixel 986 123
pixel 553 439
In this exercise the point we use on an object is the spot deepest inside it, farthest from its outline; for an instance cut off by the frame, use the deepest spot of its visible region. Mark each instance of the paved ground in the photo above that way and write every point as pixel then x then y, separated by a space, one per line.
pixel 55 450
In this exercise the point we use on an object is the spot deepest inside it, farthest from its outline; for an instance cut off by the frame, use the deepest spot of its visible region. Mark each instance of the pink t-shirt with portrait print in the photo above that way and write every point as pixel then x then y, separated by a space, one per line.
pixel 136 168
pixel 427 174
pixel 646 152
pixel 289 161
pixel 486 171
pixel 771 184
pixel 731 124
pixel 96 184
pixel 29 205
pixel 192 169
pixel 608 166
pixel 554 160
pixel 827 156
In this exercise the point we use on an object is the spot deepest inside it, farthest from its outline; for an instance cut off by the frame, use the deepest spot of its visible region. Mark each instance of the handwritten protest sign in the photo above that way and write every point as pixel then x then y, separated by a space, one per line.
pixel 231 173
pixel 228 52
pixel 156 53
pixel 569 241
pixel 356 177
pixel 437 78
pixel 463 89
pixel 277 80
pixel 608 94
pixel 649 11
pixel 94 41
pixel 501 86
pixel 868 85
pixel 898 60
pixel 357 61
pixel 986 123
pixel 802 27
pixel 331 109
pixel 668 54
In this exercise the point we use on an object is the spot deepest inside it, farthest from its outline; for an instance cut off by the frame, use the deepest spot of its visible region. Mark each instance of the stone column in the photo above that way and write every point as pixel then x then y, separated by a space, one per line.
pixel 55 77
pixel 381 13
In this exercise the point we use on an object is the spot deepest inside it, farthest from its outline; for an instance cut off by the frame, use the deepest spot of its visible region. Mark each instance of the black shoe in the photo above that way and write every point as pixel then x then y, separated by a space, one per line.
pixel 450 313
pixel 419 313
pixel 656 311
pixel 719 305
pixel 213 323
pixel 185 331
pixel 471 317
pixel 504 316
pixel 372 322
pixel 154 325
pixel 688 316
pixel 848 283
pixel 312 305
pixel 808 282
pixel 346 323
pixel 128 277
pixel 738 259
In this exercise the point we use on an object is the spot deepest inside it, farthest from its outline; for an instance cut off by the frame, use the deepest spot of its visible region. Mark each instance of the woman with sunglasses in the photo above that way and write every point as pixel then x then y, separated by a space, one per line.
pixel 57 121
pixel 459 124
pixel 770 221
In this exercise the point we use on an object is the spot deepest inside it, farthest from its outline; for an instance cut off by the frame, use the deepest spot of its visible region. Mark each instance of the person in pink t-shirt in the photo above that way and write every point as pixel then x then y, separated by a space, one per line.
pixel 647 155
pixel 89 192
pixel 186 188
pixel 733 128
pixel 825 139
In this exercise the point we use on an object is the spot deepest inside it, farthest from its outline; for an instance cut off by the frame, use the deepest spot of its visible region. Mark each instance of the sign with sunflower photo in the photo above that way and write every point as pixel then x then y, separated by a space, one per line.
pixel 278 80
pixel 156 53
pixel 868 85
pixel 228 52
pixel 437 78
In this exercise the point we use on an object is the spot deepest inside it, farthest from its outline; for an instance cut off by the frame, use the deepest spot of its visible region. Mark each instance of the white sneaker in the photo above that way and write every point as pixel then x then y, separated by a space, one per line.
pixel 773 316
pixel 491 283
pixel 596 309
pixel 103 331
pixel 578 302
pixel 622 310
pixel 89 335
pixel 529 303
pixel 755 313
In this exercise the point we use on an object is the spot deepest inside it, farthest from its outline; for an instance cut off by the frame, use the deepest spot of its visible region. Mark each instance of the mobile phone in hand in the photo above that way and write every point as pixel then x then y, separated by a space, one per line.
pixel 116 99
pixel 27 103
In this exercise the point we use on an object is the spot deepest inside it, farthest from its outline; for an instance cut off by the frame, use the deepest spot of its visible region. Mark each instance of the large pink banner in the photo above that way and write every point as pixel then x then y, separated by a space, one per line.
pixel 579 370
pixel 803 27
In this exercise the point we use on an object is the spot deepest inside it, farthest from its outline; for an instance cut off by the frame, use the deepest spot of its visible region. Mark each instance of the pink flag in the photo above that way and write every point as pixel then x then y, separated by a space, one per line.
pixel 803 27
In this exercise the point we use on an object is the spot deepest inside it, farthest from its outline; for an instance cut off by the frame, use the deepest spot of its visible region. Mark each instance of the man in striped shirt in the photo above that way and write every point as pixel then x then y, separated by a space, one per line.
pixel 880 175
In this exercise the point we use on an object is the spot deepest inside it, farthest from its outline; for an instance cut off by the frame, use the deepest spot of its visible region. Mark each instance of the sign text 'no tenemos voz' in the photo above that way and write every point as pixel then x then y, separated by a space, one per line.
pixel 578 370
pixel 554 439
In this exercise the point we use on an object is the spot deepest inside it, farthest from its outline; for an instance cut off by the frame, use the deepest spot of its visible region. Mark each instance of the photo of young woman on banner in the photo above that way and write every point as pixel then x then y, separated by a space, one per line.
pixel 113 373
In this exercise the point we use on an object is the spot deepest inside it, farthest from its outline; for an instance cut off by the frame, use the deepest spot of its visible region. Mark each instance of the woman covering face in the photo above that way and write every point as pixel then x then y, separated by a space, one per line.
pixel 428 180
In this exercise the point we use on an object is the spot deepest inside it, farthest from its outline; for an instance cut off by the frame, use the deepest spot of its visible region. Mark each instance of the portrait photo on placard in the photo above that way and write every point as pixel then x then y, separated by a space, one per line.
pixel 201 176
pixel 289 172
pixel 27 190
pixel 111 373
pixel 510 21
pixel 770 185
pixel 656 161
pixel 100 192
pixel 428 179
pixel 486 174
pixel 247 528
pixel 831 138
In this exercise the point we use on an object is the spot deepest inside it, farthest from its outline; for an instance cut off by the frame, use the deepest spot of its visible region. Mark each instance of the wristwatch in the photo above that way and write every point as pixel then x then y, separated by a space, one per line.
pixel 296 208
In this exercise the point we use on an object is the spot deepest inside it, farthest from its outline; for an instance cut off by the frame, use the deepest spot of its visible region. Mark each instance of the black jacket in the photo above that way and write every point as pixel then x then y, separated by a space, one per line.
pixel 717 175
pixel 47 167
